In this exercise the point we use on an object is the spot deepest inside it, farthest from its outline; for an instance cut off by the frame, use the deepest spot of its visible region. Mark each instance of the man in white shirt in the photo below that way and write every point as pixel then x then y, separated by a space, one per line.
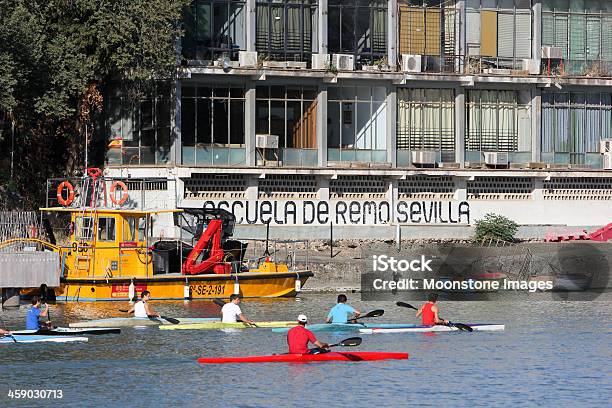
pixel 231 311
pixel 142 309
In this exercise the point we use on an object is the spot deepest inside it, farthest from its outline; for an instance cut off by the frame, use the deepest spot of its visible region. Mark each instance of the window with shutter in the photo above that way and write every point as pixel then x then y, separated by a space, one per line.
pixel 523 36
pixel 593 38
pixel 505 35
pixel 488 34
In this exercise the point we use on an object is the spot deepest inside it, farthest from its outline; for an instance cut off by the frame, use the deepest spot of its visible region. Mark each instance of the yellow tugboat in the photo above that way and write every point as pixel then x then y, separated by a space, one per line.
pixel 112 256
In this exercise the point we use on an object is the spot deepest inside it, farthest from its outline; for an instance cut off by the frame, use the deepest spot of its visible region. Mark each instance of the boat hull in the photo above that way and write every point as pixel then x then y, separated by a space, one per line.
pixel 437 328
pixel 39 339
pixel 172 287
pixel 136 322
pixel 65 331
pixel 221 325
pixel 307 358
pixel 346 327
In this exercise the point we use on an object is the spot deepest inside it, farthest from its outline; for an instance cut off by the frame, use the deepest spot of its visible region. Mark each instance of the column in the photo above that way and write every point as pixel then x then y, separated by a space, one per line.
pixel 322 126
pixel 536 23
pixel 460 125
pixel 460 36
pixel 322 24
pixel 176 156
pixel 392 33
pixel 392 125
pixel 251 32
pixel 249 123
pixel 536 124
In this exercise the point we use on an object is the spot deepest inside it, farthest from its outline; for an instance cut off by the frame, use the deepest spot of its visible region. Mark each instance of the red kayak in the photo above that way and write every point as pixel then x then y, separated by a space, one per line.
pixel 307 358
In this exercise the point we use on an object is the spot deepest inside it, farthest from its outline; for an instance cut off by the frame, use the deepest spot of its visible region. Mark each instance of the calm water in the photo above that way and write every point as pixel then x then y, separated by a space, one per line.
pixel 551 354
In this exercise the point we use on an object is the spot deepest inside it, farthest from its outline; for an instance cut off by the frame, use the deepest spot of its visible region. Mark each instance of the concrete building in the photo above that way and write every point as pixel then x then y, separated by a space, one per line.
pixel 375 113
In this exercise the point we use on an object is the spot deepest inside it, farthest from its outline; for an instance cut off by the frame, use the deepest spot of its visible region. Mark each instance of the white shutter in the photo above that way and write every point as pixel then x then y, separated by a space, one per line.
pixel 505 35
pixel 473 32
pixel 523 36
pixel 606 41
pixel 593 40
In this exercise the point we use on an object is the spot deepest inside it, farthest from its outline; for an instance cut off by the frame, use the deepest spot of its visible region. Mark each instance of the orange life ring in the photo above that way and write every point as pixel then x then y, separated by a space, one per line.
pixel 60 198
pixel 124 195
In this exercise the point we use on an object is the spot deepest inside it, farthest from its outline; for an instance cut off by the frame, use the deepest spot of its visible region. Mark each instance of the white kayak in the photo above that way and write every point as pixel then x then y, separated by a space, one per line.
pixel 17 339
pixel 138 321
pixel 436 328
pixel 68 331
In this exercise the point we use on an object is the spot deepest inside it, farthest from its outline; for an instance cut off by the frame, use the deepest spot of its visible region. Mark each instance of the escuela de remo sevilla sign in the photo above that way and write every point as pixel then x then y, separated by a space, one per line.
pixel 344 212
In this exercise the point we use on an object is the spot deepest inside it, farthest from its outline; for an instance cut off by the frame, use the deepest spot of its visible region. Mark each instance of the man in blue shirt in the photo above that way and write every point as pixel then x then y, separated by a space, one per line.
pixel 340 312
pixel 34 313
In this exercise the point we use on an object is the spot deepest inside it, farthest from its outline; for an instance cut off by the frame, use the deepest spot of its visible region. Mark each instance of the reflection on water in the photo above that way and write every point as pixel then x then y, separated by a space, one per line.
pixel 552 353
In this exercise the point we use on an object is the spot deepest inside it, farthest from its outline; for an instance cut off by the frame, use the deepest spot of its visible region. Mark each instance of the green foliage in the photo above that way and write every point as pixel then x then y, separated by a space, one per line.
pixel 495 227
pixel 55 58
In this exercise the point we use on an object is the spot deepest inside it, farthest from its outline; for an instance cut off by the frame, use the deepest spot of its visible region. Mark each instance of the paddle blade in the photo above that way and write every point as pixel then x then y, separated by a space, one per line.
pixel 123 310
pixel 375 313
pixel 219 302
pixel 408 305
pixel 351 342
pixel 170 319
pixel 462 327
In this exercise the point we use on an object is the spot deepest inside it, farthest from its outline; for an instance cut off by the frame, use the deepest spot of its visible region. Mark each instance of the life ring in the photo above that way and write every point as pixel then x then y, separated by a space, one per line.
pixel 60 198
pixel 124 195
pixel 94 172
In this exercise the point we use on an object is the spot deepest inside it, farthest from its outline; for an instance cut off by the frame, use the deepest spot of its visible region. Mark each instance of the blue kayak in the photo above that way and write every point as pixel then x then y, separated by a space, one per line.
pixel 343 327
pixel 18 339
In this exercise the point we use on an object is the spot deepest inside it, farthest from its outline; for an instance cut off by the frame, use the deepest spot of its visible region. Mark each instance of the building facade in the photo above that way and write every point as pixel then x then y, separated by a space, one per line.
pixel 378 113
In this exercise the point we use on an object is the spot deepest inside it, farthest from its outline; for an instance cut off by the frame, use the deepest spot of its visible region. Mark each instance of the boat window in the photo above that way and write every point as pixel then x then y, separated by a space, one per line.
pixel 129 231
pixel 106 229
pixel 84 228
pixel 142 228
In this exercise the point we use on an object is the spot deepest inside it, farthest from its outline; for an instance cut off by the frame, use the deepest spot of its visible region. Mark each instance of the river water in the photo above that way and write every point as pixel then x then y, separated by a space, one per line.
pixel 552 353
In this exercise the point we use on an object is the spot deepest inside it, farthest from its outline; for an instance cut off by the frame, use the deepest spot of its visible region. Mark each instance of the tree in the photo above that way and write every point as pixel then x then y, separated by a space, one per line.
pixel 495 227
pixel 55 56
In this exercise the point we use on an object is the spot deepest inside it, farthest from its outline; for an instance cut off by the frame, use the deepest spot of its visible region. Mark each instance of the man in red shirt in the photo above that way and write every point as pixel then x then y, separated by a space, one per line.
pixel 429 312
pixel 299 336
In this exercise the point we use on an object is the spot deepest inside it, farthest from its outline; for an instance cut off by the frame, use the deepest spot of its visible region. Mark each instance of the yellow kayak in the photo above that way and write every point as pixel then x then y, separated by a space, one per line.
pixel 221 325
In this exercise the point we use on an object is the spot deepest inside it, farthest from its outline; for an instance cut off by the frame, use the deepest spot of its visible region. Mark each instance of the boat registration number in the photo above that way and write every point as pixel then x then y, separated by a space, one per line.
pixel 204 290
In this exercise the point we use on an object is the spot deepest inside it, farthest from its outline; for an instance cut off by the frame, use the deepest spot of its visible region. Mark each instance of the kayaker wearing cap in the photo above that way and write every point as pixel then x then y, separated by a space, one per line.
pixel 429 312
pixel 340 312
pixel 299 336
pixel 142 308
pixel 231 311
pixel 35 313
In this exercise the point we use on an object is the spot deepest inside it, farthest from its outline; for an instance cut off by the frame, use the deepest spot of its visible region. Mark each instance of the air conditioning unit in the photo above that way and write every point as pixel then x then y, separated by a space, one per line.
pixel 552 52
pixel 496 158
pixel 320 61
pixel 266 141
pixel 247 59
pixel 607 161
pixel 344 62
pixel 424 157
pixel 605 146
pixel 412 63
pixel 533 66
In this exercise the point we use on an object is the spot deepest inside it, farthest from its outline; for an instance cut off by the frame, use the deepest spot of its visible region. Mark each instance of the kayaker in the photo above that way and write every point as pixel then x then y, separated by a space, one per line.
pixel 341 312
pixel 35 313
pixel 231 311
pixel 142 308
pixel 429 312
pixel 299 336
pixel 4 332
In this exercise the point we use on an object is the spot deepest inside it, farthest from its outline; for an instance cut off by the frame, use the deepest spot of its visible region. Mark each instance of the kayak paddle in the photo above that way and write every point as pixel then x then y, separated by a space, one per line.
pixel 460 326
pixel 408 305
pixel 373 313
pixel 221 303
pixel 168 319
pixel 350 342
pixel 9 335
